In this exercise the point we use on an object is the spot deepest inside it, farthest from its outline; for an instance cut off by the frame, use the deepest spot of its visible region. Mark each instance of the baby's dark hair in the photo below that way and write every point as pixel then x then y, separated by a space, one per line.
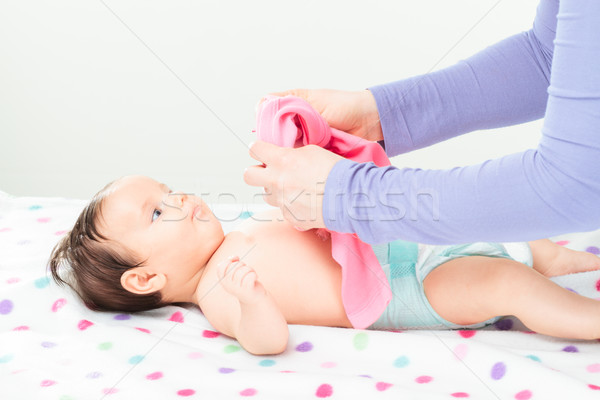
pixel 94 266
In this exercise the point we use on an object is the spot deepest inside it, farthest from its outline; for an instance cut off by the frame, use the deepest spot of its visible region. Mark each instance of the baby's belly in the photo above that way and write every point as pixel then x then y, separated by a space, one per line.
pixel 297 269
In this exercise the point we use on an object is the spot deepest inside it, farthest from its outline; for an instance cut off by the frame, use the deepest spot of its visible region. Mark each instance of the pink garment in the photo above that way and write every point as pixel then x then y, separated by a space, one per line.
pixel 291 122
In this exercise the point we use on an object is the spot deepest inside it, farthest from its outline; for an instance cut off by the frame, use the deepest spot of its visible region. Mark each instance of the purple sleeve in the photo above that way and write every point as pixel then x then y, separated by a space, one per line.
pixel 537 193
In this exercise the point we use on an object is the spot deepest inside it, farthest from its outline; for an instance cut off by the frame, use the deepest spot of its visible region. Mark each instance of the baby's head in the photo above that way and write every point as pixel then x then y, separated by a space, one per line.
pixel 137 246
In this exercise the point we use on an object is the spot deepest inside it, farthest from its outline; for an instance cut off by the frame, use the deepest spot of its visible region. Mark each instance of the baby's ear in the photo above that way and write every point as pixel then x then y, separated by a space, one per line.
pixel 141 281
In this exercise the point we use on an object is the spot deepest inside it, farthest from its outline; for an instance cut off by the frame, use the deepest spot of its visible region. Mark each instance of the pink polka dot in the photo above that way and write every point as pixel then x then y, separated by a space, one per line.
pixel 248 392
pixel 466 333
pixel 461 350
pixel 13 280
pixel 381 386
pixel 325 390
pixel 21 328
pixel 60 233
pixel 84 324
pixel 328 364
pixel 594 387
pixel 562 242
pixel 5 229
pixel 58 304
pixel 176 317
pixel 460 395
pixel 593 368
pixel 154 376
pixel 423 379
pixel 523 395
pixel 143 330
pixel 110 390
pixel 185 392
pixel 210 334
pixel 43 220
pixel 195 355
pixel 598 285
pixel 47 382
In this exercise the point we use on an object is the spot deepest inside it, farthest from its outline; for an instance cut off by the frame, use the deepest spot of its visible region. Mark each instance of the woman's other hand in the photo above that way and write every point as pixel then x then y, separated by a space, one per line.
pixel 354 112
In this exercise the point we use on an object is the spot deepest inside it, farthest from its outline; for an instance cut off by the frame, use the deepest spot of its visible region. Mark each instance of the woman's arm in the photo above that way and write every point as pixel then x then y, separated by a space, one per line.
pixel 534 194
pixel 505 84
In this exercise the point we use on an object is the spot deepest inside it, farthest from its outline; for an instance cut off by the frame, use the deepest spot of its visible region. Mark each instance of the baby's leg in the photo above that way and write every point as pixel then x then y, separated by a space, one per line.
pixel 470 290
pixel 550 259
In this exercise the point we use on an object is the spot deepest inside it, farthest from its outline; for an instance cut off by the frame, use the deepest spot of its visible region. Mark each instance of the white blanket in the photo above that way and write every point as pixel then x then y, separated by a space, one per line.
pixel 52 347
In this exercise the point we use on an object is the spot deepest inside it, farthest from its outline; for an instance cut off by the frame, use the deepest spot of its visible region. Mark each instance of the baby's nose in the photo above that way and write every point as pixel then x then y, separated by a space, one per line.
pixel 178 198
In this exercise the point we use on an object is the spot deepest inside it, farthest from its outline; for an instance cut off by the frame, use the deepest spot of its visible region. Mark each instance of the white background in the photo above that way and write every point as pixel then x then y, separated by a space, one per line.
pixel 93 90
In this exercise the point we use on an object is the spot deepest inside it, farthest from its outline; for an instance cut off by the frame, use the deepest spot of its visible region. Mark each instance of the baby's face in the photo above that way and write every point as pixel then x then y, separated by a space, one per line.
pixel 173 231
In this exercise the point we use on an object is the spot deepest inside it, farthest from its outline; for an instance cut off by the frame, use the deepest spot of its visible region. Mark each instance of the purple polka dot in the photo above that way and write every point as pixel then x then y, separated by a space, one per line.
pixel 498 370
pixel 504 324
pixel 93 375
pixel 48 345
pixel 593 250
pixel 571 290
pixel 122 317
pixel 226 370
pixel 304 347
pixel 6 306
pixel 571 349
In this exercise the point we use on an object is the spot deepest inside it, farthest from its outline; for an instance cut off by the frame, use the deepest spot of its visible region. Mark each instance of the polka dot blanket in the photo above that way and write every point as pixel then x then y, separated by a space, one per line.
pixel 53 347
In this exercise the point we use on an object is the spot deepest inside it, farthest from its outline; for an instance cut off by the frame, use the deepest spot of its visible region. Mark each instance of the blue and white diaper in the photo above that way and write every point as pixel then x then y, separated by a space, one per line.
pixel 406 265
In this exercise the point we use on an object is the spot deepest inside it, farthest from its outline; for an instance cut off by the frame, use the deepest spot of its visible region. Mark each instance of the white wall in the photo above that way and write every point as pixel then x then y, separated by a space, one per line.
pixel 93 90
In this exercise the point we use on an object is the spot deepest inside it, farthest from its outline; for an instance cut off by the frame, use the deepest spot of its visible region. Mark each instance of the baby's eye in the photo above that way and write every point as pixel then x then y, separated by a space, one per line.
pixel 156 214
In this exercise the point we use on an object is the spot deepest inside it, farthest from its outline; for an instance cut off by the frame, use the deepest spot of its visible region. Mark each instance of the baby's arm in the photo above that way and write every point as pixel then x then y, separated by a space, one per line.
pixel 260 327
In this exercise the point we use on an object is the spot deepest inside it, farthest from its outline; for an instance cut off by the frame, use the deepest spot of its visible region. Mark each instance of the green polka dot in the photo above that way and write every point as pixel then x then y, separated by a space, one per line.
pixel 534 358
pixel 401 362
pixel 42 282
pixel 360 341
pixel 65 397
pixel 266 363
pixel 105 346
pixel 136 359
pixel 232 348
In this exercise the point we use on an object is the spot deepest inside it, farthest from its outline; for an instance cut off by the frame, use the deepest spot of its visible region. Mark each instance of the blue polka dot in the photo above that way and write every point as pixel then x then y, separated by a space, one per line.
pixel 6 358
pixel 266 363
pixel 534 358
pixel 42 282
pixel 246 214
pixel 35 207
pixel 136 359
pixel 401 362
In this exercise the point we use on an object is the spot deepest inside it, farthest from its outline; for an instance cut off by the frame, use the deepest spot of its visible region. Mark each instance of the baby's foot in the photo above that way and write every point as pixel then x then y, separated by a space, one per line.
pixel 566 261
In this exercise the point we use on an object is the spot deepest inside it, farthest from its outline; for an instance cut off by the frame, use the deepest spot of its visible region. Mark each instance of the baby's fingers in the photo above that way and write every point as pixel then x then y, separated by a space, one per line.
pixel 226 267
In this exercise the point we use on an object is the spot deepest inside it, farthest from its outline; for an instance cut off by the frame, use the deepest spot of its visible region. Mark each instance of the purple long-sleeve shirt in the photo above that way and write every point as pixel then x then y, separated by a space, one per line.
pixel 551 71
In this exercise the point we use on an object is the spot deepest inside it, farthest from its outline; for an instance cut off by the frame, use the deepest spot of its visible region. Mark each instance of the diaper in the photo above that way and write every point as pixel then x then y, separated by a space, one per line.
pixel 407 264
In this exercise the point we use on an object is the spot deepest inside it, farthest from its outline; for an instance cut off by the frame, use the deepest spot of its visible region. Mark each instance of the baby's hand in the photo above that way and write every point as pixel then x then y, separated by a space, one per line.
pixel 240 280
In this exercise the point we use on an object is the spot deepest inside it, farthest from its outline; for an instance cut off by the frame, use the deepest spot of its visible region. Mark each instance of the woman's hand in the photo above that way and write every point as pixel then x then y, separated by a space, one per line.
pixel 293 179
pixel 354 112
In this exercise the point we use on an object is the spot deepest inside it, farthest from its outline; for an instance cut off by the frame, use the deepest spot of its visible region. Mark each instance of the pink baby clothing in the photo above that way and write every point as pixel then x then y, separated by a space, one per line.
pixel 291 122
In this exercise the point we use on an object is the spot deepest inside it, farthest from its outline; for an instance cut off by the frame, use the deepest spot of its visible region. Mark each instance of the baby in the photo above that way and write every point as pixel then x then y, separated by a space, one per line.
pixel 138 246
